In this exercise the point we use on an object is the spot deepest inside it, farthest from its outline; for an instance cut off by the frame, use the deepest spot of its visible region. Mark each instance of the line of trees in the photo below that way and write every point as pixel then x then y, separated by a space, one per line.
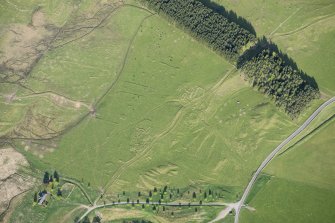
pixel 267 70
pixel 204 23
pixel 272 72
pixel 47 178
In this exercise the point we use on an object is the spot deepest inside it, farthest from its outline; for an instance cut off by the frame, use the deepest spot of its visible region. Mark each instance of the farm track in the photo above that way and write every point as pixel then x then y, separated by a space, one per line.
pixel 68 180
pixel 301 28
pixel 173 123
pixel 282 23
pixel 171 204
pixel 91 108
pixel 54 95
pixel 141 154
pixel 123 63
pixel 2 214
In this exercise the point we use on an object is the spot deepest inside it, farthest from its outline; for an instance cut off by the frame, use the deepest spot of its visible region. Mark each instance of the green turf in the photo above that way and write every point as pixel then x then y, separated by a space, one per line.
pixel 303 30
pixel 283 200
pixel 302 189
pixel 168 110
pixel 171 110
pixel 316 155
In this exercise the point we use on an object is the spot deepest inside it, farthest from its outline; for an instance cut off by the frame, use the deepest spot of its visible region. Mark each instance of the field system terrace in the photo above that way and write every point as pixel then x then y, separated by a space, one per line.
pixel 165 111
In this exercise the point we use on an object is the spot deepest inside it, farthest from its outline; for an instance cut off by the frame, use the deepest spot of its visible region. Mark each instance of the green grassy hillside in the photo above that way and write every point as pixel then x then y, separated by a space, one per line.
pixel 302 29
pixel 302 186
pixel 121 100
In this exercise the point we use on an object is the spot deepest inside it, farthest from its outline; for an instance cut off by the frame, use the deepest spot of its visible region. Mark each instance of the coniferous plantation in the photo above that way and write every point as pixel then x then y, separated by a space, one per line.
pixel 268 72
pixel 266 69
pixel 223 36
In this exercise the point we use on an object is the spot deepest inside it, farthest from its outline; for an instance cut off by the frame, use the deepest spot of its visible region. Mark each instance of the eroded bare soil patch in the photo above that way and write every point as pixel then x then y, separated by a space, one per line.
pixel 12 183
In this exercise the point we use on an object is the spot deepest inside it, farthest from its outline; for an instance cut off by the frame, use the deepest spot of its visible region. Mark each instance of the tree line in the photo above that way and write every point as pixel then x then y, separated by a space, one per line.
pixel 269 70
pixel 205 24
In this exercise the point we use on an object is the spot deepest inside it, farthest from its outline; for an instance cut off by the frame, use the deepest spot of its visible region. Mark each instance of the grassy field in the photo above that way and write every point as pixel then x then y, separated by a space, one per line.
pixel 136 103
pixel 302 186
pixel 170 214
pixel 283 200
pixel 148 134
pixel 302 29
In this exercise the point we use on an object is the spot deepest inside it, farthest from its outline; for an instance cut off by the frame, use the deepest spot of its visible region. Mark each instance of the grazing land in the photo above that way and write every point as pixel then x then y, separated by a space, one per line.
pixel 302 29
pixel 295 194
pixel 133 111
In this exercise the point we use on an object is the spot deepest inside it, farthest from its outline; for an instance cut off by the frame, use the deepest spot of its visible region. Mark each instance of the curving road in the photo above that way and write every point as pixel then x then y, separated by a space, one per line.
pixel 172 204
pixel 274 153
pixel 229 206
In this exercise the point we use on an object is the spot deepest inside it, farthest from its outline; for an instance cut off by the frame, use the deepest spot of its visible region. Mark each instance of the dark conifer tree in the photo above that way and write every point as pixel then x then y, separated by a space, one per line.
pixel 56 176
pixel 59 192
pixel 35 197
pixel 46 178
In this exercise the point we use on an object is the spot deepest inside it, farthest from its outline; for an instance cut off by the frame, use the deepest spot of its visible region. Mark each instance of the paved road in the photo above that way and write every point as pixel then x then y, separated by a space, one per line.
pixel 274 153
pixel 173 204
pixel 237 206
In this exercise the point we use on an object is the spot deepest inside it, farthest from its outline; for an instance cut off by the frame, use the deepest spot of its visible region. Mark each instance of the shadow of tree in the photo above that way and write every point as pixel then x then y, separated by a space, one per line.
pixel 230 15
pixel 264 44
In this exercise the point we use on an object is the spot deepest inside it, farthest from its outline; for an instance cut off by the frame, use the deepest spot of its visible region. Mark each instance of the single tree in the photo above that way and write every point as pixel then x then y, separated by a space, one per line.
pixel 56 176
pixel 51 179
pixel 155 189
pixel 163 208
pixel 96 219
pixel 86 220
pixel 147 200
pixel 35 197
pixel 150 193
pixel 194 195
pixel 139 194
pixel 59 192
pixel 46 178
pixel 127 199
pixel 143 206
pixel 196 209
